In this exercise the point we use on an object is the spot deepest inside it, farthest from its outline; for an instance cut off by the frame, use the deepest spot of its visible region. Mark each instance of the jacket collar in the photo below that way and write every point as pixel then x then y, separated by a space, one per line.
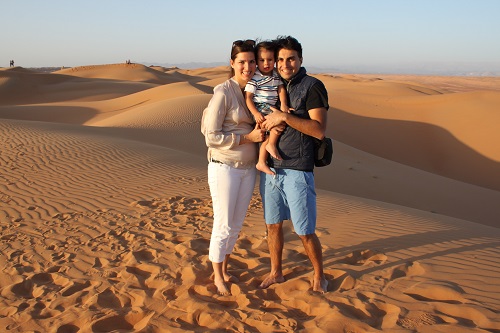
pixel 297 77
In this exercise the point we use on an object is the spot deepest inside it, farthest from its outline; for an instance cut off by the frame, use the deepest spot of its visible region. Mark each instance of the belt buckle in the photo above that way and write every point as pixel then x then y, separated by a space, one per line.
pixel 215 161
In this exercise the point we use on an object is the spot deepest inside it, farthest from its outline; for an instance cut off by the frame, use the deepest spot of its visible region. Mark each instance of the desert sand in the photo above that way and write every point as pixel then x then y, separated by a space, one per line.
pixel 105 212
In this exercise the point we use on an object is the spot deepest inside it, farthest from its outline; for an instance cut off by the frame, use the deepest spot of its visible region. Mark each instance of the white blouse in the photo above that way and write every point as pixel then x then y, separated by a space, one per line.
pixel 225 120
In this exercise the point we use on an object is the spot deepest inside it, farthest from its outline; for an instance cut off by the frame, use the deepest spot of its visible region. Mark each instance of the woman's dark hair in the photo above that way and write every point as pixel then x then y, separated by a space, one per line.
pixel 240 46
pixel 288 43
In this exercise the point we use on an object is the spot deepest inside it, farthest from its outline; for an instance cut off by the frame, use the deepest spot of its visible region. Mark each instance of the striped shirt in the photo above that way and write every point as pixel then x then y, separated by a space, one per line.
pixel 264 88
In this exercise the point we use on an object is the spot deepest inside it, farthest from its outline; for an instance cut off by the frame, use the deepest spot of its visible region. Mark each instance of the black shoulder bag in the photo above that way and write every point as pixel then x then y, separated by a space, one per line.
pixel 323 152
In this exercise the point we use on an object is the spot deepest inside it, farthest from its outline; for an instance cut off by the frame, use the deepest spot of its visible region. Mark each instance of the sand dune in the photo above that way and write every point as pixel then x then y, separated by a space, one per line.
pixel 453 135
pixel 127 72
pixel 105 212
pixel 19 86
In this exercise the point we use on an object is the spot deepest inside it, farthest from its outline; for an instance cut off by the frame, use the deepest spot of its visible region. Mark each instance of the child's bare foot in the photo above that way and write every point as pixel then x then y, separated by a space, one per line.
pixel 264 168
pixel 273 151
pixel 222 288
pixel 230 278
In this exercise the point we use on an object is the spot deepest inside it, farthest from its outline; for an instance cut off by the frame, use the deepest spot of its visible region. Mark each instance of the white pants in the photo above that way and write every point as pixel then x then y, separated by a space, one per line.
pixel 231 191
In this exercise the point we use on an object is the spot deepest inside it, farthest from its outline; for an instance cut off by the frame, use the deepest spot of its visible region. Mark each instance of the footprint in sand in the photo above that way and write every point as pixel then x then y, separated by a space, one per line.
pixel 36 285
pixel 179 239
pixel 375 313
pixel 108 300
pixel 100 263
pixel 133 321
pixel 416 319
pixel 188 247
pixel 76 287
pixel 406 270
pixel 24 289
pixel 144 204
pixel 8 238
pixel 339 280
pixel 294 284
pixel 208 293
pixel 437 291
pixel 364 257
pixel 169 294
pixel 68 328
pixel 145 255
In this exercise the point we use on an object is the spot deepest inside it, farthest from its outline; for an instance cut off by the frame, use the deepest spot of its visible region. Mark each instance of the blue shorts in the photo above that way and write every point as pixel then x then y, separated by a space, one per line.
pixel 290 195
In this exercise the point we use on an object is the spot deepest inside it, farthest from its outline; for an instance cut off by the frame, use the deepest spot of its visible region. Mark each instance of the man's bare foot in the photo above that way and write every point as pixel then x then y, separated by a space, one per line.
pixel 264 168
pixel 222 288
pixel 320 286
pixel 270 280
pixel 273 151
pixel 230 278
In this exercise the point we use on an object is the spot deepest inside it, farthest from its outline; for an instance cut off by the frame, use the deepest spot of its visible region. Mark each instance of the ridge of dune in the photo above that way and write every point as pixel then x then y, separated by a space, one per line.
pixel 166 114
pixel 172 123
pixel 209 72
pixel 18 69
pixel 133 103
pixel 29 87
pixel 126 72
pixel 88 112
pixel 445 84
pixel 163 68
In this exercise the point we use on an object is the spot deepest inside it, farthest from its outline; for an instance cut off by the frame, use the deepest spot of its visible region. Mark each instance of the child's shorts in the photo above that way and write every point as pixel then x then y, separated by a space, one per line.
pixel 263 108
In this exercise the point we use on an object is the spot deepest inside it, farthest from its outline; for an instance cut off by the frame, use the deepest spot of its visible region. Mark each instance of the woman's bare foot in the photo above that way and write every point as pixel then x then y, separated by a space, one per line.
pixel 264 168
pixel 230 278
pixel 320 286
pixel 273 151
pixel 270 280
pixel 222 288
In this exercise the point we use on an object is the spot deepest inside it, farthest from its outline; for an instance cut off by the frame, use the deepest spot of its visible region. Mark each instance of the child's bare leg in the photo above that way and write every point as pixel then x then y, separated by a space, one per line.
pixel 262 163
pixel 272 145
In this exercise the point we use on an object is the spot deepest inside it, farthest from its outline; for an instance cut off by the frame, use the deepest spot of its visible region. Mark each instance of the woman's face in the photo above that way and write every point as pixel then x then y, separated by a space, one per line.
pixel 244 67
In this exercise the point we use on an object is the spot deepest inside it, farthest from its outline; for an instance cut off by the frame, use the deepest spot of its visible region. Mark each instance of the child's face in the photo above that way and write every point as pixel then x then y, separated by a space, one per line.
pixel 265 61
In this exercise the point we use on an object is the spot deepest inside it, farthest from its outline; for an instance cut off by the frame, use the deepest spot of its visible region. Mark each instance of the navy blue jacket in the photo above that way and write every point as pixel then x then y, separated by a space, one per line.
pixel 296 148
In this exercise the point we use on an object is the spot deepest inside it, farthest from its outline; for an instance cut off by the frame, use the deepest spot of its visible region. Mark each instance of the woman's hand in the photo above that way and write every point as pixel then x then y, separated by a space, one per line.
pixel 257 135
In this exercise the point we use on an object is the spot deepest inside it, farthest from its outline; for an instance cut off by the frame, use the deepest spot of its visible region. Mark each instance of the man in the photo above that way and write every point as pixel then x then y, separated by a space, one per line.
pixel 290 193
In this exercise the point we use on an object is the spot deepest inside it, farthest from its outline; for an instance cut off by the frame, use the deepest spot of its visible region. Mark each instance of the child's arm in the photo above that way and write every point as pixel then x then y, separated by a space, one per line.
pixel 282 95
pixel 259 118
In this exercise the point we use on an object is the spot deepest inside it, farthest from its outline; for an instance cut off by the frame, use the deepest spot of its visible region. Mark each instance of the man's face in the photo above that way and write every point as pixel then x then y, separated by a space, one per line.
pixel 288 63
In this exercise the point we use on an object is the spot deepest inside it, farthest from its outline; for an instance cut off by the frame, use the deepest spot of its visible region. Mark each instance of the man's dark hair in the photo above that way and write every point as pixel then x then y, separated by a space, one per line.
pixel 289 43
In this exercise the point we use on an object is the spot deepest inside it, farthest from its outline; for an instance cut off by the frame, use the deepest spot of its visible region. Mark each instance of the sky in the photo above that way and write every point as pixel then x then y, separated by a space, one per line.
pixel 370 36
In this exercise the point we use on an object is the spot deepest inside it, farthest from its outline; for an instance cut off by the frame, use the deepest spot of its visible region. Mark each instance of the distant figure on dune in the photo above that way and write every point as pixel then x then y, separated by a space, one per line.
pixel 12 63
pixel 290 193
pixel 231 139
pixel 127 62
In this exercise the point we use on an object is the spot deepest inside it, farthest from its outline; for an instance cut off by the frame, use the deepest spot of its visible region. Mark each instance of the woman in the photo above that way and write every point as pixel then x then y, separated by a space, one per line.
pixel 231 139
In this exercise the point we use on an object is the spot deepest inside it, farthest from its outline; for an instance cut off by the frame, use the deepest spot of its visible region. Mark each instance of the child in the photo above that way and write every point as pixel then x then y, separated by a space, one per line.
pixel 261 92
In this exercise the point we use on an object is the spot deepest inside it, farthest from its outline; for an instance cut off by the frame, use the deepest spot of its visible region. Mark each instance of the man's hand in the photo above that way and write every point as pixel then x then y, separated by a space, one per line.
pixel 274 119
pixel 315 126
